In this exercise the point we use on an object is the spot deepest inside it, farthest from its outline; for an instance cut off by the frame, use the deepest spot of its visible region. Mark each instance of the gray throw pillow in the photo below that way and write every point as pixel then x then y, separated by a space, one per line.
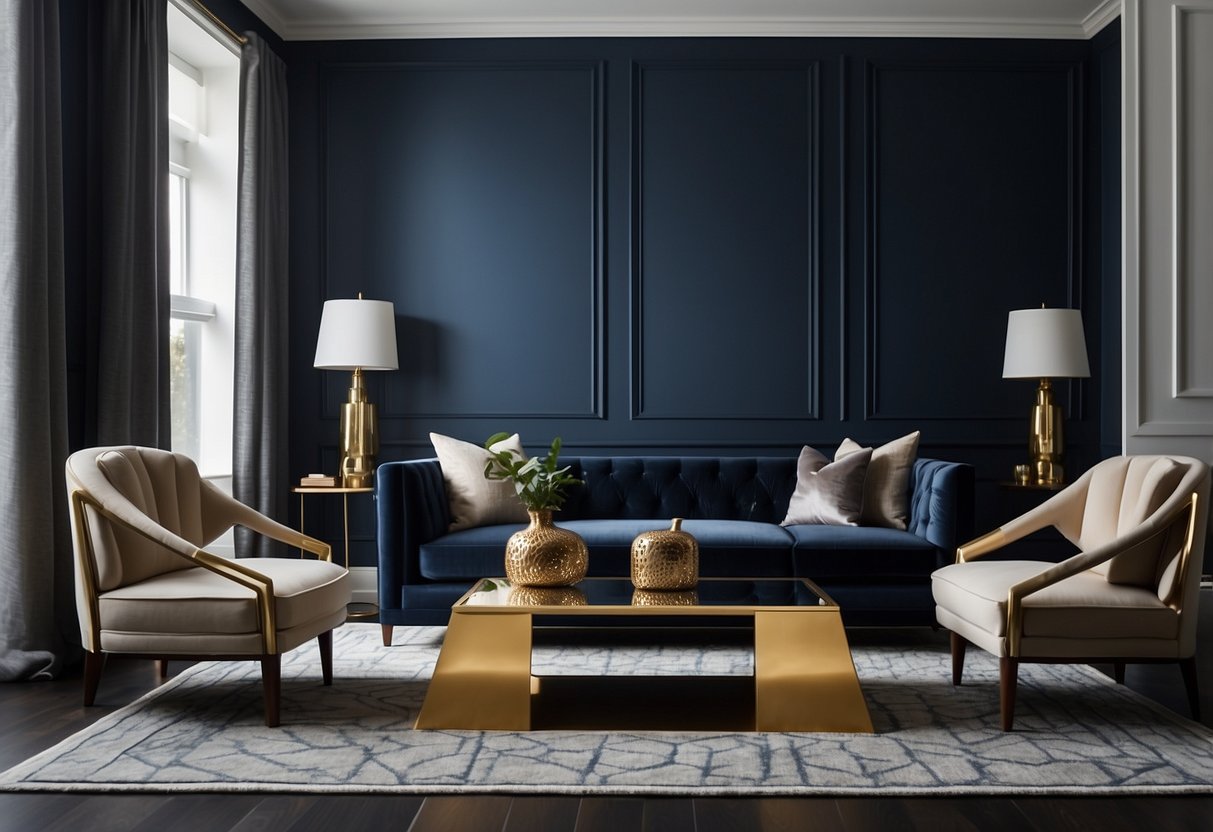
pixel 886 492
pixel 474 500
pixel 828 493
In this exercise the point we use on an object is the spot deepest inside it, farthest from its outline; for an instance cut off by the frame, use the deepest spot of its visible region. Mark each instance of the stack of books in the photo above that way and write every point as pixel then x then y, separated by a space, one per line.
pixel 320 481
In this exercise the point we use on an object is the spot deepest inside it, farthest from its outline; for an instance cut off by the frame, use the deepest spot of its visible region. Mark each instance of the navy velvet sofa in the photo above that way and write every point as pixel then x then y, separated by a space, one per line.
pixel 732 505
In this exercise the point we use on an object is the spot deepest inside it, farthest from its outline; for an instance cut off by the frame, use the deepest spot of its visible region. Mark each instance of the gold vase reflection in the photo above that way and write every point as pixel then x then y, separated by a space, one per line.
pixel 664 598
pixel 543 554
pixel 547 596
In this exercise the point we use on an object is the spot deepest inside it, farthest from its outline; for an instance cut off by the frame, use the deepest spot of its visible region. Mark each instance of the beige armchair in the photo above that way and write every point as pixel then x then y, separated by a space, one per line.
pixel 1128 596
pixel 144 585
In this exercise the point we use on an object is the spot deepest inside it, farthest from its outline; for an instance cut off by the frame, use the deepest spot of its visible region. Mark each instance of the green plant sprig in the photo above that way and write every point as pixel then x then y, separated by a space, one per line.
pixel 539 483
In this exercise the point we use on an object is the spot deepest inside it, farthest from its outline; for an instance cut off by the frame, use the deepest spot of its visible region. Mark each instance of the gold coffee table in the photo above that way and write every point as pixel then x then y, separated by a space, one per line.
pixel 804 679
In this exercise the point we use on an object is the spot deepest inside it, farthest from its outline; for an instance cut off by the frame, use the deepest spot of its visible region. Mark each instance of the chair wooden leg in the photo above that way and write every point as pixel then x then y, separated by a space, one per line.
pixel 161 670
pixel 1188 668
pixel 93 665
pixel 958 657
pixel 1008 677
pixel 271 681
pixel 1118 672
pixel 387 634
pixel 326 656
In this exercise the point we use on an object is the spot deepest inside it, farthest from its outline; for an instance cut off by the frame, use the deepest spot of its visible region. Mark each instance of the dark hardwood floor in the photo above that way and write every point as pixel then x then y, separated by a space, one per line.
pixel 37 715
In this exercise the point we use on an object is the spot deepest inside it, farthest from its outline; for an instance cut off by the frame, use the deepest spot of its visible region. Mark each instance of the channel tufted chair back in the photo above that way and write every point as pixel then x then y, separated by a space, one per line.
pixel 1130 594
pixel 141 519
pixel 164 487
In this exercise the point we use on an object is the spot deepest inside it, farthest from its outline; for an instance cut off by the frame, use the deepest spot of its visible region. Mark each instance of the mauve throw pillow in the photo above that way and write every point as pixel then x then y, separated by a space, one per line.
pixel 474 500
pixel 886 492
pixel 828 493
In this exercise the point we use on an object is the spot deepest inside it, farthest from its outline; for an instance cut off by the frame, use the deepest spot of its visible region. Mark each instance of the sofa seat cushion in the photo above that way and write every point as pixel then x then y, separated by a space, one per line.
pixel 727 548
pixel 197 600
pixel 872 554
pixel 1082 606
pixel 468 554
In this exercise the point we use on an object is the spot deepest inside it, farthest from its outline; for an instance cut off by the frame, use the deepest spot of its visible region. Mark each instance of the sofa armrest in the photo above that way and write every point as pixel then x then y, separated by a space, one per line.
pixel 941 503
pixel 412 509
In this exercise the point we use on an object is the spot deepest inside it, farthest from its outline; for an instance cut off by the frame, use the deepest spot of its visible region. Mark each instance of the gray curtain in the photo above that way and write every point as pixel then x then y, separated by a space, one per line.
pixel 131 386
pixel 37 613
pixel 260 473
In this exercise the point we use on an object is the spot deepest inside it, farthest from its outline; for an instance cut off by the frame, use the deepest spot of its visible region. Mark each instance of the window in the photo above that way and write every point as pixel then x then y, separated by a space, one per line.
pixel 204 72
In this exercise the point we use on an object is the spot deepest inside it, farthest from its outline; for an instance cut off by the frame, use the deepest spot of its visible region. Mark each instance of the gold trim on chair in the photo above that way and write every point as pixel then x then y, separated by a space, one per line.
pixel 261 585
pixel 165 502
pixel 976 548
pixel 1084 561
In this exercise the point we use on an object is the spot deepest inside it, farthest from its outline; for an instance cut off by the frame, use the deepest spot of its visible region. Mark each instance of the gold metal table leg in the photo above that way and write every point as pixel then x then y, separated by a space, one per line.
pixel 345 525
pixel 804 678
pixel 482 681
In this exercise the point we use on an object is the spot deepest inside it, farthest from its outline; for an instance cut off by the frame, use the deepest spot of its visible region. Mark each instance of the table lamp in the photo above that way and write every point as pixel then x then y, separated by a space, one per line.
pixel 1045 344
pixel 357 335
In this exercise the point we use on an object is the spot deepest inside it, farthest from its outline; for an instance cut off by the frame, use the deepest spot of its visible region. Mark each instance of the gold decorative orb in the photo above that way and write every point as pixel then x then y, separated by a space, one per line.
pixel 665 598
pixel 665 559
pixel 544 554
pixel 547 596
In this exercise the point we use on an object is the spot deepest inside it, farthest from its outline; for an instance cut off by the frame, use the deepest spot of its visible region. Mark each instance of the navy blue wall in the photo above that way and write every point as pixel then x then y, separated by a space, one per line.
pixel 705 246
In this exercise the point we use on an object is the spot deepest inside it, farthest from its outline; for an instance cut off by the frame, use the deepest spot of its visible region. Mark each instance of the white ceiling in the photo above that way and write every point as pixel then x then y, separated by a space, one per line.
pixel 359 19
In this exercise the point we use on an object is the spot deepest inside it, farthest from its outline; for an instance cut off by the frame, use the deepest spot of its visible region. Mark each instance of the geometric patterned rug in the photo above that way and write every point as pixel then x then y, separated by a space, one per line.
pixel 1076 732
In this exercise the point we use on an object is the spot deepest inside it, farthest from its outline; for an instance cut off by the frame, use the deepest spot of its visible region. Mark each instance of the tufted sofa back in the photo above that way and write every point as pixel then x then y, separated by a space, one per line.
pixel 747 488
pixel 635 487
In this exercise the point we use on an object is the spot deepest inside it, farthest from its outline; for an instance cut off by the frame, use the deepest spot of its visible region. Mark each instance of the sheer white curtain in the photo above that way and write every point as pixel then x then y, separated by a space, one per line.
pixel 37 614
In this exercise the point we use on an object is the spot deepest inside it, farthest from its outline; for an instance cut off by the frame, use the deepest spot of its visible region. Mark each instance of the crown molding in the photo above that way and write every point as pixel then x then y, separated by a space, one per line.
pixel 276 15
pixel 269 16
pixel 572 27
pixel 1101 16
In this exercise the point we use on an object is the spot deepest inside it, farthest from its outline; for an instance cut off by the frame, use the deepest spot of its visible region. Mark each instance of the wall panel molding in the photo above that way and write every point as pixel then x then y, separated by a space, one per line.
pixel 642 375
pixel 393 405
pixel 1068 74
pixel 1192 175
pixel 1168 400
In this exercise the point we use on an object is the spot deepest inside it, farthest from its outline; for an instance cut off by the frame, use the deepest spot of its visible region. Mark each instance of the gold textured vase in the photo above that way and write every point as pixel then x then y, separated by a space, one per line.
pixel 665 559
pixel 544 554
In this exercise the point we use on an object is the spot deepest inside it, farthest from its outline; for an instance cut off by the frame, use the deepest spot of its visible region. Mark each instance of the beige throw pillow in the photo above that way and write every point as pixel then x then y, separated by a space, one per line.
pixel 886 492
pixel 474 500
pixel 828 493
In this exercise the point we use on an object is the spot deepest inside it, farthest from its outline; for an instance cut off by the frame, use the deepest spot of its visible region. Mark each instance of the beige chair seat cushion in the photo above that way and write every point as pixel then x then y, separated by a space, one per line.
pixel 1084 606
pixel 199 601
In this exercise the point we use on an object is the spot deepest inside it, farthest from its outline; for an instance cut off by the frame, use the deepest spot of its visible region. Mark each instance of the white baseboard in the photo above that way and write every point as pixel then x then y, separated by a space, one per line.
pixel 365 582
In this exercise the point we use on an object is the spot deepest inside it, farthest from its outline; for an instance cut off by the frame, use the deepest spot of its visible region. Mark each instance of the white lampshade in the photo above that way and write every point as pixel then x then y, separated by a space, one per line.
pixel 1045 343
pixel 357 334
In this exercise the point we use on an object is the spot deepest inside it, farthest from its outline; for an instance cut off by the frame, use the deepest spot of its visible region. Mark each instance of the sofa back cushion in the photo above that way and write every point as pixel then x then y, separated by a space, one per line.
pixel 635 487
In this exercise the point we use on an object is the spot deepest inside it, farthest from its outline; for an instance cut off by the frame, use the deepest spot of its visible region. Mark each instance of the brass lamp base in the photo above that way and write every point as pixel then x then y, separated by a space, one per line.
pixel 359 437
pixel 1046 445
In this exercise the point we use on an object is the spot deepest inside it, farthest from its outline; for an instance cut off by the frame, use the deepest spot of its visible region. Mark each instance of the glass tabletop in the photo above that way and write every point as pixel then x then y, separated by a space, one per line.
pixel 713 596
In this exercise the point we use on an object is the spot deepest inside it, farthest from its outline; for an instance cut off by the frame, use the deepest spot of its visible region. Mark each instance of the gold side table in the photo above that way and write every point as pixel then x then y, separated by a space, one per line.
pixel 356 609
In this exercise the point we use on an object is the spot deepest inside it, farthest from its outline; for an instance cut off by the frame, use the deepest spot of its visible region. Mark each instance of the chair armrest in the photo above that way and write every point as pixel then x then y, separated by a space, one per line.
pixel 1143 536
pixel 261 585
pixel 1062 511
pixel 231 512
